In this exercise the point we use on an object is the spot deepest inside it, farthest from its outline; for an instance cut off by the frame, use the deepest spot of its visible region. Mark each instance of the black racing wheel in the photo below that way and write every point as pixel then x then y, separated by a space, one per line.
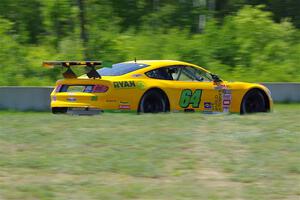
pixel 253 102
pixel 153 101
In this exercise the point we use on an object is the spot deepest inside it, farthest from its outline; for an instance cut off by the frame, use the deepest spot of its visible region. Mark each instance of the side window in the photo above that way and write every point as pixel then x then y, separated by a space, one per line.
pixel 164 73
pixel 179 73
pixel 187 74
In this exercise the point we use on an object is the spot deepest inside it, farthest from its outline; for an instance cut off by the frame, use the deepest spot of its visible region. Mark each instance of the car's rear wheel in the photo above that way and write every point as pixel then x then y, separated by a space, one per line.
pixel 253 102
pixel 59 110
pixel 153 101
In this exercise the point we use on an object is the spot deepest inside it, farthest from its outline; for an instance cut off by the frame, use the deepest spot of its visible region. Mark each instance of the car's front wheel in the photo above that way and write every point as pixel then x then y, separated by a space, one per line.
pixel 153 101
pixel 253 102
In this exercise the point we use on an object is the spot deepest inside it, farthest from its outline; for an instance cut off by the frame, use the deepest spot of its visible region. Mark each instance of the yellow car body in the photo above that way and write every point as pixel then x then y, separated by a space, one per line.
pixel 125 92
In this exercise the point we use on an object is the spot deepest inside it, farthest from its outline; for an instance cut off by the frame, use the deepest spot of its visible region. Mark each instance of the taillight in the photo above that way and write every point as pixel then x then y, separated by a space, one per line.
pixel 58 88
pixel 100 88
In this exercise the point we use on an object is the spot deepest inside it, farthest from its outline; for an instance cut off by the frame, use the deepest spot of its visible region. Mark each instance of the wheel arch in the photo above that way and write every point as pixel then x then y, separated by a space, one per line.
pixel 161 91
pixel 263 92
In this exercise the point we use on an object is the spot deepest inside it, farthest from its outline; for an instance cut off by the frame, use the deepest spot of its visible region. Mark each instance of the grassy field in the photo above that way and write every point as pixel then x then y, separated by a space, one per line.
pixel 164 156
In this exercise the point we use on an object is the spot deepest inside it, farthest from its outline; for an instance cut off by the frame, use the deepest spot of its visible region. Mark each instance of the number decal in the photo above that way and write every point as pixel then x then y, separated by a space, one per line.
pixel 188 97
pixel 195 99
pixel 185 98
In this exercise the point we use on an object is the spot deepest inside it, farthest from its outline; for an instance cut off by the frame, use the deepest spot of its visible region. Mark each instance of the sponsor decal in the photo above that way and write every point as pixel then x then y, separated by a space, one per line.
pixel 71 99
pixel 124 84
pixel 140 85
pixel 136 75
pixel 94 98
pixel 226 100
pixel 207 105
pixel 124 107
pixel 225 91
pixel 226 96
pixel 226 109
pixel 217 106
pixel 220 87
pixel 129 84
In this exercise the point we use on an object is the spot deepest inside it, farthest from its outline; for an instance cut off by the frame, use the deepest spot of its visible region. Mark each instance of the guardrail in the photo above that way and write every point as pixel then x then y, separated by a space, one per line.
pixel 25 98
pixel 38 98
pixel 284 92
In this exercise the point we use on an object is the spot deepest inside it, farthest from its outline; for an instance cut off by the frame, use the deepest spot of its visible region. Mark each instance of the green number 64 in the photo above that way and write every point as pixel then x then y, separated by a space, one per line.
pixel 188 97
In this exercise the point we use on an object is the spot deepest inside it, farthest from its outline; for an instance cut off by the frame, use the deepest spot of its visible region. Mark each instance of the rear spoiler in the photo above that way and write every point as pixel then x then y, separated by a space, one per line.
pixel 90 65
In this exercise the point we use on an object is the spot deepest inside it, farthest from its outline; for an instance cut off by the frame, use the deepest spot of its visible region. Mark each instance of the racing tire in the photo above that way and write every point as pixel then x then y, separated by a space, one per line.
pixel 59 110
pixel 153 101
pixel 254 101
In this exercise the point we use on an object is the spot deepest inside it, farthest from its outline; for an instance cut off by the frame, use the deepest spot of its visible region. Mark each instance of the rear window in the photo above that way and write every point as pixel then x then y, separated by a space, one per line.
pixel 120 69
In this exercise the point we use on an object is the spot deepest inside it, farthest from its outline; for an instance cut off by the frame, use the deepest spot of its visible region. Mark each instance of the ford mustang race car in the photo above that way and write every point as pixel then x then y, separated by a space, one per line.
pixel 152 86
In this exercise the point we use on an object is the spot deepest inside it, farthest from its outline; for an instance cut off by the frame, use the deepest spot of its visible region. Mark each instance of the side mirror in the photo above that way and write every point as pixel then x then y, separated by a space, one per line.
pixel 216 78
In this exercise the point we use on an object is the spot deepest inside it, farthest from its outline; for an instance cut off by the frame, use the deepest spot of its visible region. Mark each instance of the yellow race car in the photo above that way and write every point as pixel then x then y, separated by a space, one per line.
pixel 152 86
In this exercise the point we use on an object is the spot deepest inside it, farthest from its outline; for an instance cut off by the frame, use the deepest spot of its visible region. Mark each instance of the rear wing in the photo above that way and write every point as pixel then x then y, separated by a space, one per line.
pixel 90 65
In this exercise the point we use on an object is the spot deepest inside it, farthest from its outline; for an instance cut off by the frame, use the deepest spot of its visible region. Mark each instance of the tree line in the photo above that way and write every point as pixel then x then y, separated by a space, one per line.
pixel 239 39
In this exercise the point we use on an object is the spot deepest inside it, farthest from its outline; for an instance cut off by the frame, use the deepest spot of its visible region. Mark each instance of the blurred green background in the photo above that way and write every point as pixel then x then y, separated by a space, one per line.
pixel 247 40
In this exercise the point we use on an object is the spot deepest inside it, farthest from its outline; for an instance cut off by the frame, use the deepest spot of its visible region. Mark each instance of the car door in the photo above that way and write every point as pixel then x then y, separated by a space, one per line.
pixel 195 91
pixel 190 89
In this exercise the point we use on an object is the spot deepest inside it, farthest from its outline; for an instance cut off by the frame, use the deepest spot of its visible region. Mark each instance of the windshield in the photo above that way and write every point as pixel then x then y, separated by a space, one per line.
pixel 120 69
pixel 195 74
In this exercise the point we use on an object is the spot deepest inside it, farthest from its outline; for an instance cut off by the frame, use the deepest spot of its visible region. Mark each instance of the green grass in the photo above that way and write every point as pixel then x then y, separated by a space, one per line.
pixel 165 156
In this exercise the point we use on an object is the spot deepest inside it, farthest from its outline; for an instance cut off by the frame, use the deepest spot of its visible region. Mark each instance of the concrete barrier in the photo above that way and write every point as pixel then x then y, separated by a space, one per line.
pixel 284 92
pixel 38 98
pixel 25 98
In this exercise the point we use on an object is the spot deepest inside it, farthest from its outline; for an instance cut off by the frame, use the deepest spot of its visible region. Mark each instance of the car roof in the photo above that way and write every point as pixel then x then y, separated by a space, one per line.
pixel 159 62
pixel 154 64
pixel 162 63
